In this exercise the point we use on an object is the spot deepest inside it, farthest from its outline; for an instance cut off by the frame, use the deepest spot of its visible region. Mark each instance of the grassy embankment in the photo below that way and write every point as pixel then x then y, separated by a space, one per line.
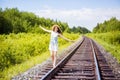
pixel 110 41
pixel 19 52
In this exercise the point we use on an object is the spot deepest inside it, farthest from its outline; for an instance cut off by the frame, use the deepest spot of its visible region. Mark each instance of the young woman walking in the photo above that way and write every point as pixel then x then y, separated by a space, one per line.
pixel 53 46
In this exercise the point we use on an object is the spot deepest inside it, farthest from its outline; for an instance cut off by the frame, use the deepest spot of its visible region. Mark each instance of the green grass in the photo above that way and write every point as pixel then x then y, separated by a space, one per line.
pixel 19 46
pixel 13 70
pixel 109 41
pixel 16 69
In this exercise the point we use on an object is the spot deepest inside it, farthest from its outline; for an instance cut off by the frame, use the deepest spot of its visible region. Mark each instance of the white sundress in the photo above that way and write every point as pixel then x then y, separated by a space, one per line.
pixel 53 46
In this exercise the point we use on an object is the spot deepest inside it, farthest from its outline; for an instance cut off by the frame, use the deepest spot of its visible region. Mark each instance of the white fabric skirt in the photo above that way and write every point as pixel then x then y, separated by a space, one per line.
pixel 53 47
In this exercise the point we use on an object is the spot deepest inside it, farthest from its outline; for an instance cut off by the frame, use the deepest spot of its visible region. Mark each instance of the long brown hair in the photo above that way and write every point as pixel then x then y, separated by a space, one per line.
pixel 59 30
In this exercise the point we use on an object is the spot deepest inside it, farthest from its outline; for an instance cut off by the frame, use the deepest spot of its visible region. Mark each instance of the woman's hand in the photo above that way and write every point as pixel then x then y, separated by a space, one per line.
pixel 72 40
pixel 45 29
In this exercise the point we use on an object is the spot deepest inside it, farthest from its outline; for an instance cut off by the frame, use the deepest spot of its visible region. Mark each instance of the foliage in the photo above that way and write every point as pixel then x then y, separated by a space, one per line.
pixel 108 34
pixel 25 49
pixel 15 21
pixel 111 25
pixel 24 22
pixel 79 29
pixel 17 48
pixel 21 38
pixel 4 23
pixel 110 40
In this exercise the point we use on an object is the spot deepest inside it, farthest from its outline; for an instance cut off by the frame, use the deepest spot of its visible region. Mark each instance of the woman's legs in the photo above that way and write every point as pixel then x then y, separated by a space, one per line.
pixel 54 55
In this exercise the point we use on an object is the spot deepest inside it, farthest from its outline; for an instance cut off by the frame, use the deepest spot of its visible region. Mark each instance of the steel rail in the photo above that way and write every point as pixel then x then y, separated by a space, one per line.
pixel 49 75
pixel 96 63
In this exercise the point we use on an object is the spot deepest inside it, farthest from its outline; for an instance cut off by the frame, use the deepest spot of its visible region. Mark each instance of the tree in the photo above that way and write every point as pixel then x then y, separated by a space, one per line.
pixel 79 29
pixel 12 20
pixel 5 25
pixel 111 25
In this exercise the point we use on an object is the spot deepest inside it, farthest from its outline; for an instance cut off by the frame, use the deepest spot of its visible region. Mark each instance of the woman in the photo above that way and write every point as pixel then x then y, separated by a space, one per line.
pixel 53 46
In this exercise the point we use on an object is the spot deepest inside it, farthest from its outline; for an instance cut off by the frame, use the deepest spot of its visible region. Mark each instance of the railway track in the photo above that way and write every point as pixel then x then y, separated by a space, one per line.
pixel 84 62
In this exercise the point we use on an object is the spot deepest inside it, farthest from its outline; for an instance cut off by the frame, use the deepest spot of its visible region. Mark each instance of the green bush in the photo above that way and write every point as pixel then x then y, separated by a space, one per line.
pixel 110 40
pixel 17 48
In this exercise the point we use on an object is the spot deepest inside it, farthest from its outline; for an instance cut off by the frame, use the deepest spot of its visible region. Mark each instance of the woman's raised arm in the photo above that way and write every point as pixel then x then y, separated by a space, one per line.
pixel 45 29
pixel 66 38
